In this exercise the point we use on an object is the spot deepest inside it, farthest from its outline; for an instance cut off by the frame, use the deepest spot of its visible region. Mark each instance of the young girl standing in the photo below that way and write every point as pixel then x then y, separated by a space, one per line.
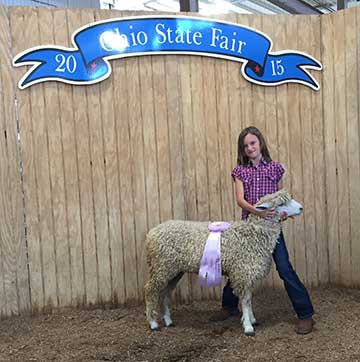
pixel 255 176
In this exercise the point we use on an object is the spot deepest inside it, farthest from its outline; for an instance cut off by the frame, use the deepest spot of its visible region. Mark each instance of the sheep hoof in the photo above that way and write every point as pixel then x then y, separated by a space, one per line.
pixel 170 325
pixel 155 329
pixel 154 326
pixel 168 321
pixel 250 334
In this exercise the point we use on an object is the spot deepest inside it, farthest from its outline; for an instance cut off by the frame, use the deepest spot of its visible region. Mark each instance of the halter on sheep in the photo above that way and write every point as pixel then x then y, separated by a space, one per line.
pixel 175 247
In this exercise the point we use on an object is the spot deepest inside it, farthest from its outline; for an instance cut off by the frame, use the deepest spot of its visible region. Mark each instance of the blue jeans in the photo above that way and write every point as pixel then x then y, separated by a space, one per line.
pixel 295 289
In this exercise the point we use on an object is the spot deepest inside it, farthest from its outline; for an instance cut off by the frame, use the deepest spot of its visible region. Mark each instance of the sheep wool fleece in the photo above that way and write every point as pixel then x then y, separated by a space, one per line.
pixel 176 246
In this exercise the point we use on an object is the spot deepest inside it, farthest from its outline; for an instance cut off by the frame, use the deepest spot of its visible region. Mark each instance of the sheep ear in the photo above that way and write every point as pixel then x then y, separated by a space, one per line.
pixel 264 206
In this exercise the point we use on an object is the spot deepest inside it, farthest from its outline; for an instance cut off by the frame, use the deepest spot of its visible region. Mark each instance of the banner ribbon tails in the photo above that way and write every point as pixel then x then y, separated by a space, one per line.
pixel 210 265
pixel 96 43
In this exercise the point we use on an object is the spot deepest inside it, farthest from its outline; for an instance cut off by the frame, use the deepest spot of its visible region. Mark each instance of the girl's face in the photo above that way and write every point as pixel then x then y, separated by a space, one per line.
pixel 252 147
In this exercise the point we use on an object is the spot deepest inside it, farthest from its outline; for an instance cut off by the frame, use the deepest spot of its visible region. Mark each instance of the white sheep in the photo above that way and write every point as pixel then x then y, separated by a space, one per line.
pixel 175 247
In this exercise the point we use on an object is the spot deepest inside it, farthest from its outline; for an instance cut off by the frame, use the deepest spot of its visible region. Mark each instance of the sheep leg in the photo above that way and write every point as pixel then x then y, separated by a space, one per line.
pixel 152 298
pixel 252 317
pixel 247 313
pixel 166 310
pixel 166 301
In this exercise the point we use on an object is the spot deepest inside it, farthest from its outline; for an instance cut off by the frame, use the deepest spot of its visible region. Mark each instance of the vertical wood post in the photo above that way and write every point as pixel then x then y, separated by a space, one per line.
pixel 189 5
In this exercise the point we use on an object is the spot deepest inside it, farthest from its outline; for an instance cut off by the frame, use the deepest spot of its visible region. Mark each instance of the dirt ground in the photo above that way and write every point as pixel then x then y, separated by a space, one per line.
pixel 123 334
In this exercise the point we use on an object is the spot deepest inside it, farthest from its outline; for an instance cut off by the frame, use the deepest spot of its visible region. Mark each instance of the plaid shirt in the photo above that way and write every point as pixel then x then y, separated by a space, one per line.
pixel 258 180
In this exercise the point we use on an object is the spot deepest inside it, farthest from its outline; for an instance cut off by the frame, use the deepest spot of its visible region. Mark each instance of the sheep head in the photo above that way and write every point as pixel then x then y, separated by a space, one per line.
pixel 281 201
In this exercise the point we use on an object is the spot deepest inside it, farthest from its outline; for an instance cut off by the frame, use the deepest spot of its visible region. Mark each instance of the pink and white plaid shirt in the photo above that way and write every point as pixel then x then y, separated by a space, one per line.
pixel 258 180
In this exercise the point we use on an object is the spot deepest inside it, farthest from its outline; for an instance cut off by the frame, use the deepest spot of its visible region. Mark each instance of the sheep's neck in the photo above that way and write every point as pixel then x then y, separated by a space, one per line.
pixel 272 224
pixel 265 232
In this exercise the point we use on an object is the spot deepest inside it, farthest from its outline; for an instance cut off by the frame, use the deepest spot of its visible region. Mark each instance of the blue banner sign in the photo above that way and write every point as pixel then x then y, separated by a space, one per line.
pixel 96 43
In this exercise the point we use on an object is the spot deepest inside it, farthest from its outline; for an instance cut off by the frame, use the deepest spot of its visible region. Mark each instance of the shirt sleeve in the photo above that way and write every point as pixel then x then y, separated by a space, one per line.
pixel 278 171
pixel 237 173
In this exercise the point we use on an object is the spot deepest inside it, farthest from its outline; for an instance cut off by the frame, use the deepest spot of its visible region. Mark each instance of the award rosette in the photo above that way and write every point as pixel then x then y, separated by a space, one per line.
pixel 210 265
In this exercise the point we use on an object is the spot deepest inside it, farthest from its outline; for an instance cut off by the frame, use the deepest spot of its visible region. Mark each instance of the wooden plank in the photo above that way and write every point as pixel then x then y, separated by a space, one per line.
pixel 43 183
pixel 3 306
pixel 150 144
pixel 212 141
pixel 8 262
pixel 137 165
pixel 70 166
pixel 189 163
pixel 307 150
pixel 12 241
pixel 174 102
pixel 4 222
pixel 321 229
pixel 99 188
pixel 352 57
pixel 162 136
pixel 13 192
pixel 246 88
pixel 327 35
pixel 42 180
pixel 296 159
pixel 235 125
pixel 199 138
pixel 126 201
pixel 57 184
pixel 354 213
pixel 175 134
pixel 99 191
pixel 20 20
pixel 140 169
pixel 111 154
pixel 258 92
pixel 223 134
pixel 76 19
pixel 341 148
pixel 270 129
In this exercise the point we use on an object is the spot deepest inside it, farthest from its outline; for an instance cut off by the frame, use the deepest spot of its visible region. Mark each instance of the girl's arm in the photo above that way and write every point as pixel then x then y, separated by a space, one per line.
pixel 239 192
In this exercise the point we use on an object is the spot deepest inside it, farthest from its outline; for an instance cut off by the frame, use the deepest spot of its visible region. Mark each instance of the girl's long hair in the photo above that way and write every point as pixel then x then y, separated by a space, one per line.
pixel 242 158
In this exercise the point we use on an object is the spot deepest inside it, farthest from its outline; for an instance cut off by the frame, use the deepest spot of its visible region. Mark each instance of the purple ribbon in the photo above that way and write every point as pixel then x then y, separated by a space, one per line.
pixel 210 265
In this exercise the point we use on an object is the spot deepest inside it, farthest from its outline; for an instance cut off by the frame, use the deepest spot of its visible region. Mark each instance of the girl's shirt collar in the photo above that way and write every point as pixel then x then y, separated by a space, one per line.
pixel 262 162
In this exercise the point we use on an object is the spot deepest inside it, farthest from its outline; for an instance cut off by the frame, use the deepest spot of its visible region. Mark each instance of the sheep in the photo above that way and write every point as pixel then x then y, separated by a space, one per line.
pixel 176 246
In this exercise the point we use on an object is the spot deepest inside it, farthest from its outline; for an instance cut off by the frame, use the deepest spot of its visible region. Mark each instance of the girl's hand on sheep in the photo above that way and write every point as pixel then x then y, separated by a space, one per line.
pixel 266 214
pixel 284 216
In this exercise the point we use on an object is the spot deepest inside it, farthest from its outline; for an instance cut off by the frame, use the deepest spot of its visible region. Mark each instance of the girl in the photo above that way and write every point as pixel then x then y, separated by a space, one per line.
pixel 255 176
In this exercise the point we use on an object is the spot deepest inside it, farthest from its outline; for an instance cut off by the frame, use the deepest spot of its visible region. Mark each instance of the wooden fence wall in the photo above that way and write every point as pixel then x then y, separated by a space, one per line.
pixel 85 171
